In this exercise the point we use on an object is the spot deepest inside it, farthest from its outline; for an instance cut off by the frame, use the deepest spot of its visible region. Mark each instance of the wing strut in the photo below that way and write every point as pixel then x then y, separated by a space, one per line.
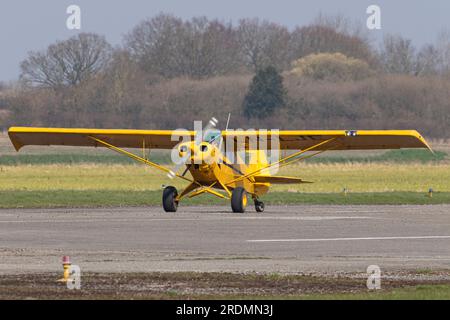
pixel 140 159
pixel 283 162
pixel 188 189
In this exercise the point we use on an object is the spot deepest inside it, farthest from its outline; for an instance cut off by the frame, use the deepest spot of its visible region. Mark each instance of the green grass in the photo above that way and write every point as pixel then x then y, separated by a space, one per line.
pixel 73 158
pixel 375 198
pixel 421 292
pixel 425 271
pixel 393 156
pixel 106 198
pixel 327 178
pixel 63 185
pixel 106 157
pixel 217 285
pixel 87 198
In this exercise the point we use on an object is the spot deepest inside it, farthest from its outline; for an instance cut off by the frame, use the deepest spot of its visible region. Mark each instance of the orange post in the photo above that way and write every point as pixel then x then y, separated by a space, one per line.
pixel 66 265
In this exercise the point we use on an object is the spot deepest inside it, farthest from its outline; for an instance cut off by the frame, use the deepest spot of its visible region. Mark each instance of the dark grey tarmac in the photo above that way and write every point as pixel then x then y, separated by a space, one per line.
pixel 315 239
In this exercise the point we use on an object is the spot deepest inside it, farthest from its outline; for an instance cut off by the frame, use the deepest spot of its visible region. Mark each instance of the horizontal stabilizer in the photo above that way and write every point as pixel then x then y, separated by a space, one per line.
pixel 279 179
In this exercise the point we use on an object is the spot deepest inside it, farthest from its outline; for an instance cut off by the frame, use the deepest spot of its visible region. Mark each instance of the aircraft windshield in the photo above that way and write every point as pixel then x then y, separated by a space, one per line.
pixel 212 135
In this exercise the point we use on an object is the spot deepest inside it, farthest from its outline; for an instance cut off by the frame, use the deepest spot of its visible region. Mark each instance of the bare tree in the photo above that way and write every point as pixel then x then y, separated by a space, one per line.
pixel 67 62
pixel 443 49
pixel 344 25
pixel 208 48
pixel 153 42
pixel 263 43
pixel 171 47
pixel 427 61
pixel 398 55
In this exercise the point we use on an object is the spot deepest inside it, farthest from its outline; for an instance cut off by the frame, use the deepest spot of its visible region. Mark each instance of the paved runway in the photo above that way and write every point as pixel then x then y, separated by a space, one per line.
pixel 286 239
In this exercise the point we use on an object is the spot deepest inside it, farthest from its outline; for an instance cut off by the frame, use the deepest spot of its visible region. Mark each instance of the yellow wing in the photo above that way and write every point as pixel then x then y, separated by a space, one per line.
pixel 341 139
pixel 162 139
pixel 152 139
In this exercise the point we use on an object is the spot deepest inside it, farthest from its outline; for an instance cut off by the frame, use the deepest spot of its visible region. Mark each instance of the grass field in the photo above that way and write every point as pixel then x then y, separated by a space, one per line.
pixel 60 185
pixel 421 292
pixel 213 285
pixel 109 198
pixel 327 178
pixel 101 156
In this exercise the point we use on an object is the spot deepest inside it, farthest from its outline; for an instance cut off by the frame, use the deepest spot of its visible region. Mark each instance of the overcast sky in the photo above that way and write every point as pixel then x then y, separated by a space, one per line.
pixel 33 25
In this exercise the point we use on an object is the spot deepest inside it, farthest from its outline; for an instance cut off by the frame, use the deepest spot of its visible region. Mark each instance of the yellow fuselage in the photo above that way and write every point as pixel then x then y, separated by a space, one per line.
pixel 210 167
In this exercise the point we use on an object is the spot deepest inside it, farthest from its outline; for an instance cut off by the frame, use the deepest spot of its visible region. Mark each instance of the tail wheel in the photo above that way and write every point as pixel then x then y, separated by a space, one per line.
pixel 259 206
pixel 170 204
pixel 239 200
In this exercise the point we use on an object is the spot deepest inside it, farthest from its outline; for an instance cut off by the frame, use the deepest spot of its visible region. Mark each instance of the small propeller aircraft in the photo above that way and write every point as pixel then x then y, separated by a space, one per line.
pixel 208 156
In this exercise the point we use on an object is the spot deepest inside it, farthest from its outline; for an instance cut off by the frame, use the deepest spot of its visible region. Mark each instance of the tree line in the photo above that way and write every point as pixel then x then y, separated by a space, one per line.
pixel 168 71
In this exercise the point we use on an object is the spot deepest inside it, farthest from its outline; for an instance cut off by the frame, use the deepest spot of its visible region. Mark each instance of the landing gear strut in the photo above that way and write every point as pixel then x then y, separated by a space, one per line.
pixel 170 204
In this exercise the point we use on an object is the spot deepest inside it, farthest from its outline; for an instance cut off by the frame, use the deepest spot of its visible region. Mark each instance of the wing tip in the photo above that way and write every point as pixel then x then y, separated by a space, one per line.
pixel 423 141
pixel 14 140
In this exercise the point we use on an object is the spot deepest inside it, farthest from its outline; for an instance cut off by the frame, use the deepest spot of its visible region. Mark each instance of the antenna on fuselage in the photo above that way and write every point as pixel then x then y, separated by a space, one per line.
pixel 228 121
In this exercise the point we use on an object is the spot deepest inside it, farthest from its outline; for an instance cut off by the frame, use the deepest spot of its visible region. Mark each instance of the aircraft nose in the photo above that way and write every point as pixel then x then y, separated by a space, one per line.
pixel 201 153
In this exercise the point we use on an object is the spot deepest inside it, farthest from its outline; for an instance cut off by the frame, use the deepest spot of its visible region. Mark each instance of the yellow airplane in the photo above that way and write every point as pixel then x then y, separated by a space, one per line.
pixel 211 169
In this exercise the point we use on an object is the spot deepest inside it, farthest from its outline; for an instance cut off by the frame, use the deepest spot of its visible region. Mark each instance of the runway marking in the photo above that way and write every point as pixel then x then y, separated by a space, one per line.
pixel 351 239
pixel 307 218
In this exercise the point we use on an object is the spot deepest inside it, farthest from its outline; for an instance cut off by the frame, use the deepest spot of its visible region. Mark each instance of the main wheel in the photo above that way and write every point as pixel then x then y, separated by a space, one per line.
pixel 259 206
pixel 170 204
pixel 239 200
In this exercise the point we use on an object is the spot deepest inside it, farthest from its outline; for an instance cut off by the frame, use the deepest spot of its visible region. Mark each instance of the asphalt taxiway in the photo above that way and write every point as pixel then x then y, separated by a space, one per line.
pixel 284 239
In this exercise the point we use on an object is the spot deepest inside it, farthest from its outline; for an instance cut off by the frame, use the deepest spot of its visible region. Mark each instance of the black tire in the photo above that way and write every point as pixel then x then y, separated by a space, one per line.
pixel 169 199
pixel 239 200
pixel 259 206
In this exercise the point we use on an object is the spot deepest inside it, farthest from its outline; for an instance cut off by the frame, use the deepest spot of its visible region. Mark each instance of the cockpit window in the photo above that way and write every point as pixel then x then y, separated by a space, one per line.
pixel 212 136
